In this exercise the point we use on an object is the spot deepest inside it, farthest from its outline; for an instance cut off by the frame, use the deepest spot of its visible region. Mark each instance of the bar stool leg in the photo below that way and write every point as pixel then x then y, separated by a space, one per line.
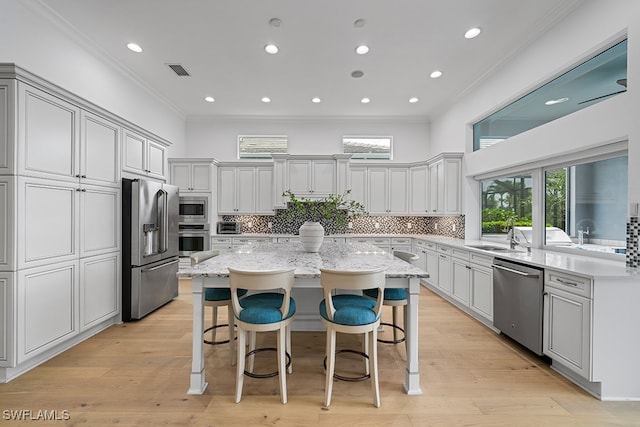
pixel 282 369
pixel 232 344
pixel 242 336
pixel 366 351
pixel 288 339
pixel 394 310
pixel 331 360
pixel 214 322
pixel 373 360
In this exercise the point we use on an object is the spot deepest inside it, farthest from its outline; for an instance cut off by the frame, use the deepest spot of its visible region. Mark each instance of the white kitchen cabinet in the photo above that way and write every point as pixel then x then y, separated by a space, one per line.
pixel 100 215
pixel 312 178
pixel 445 185
pixel 241 241
pixel 387 191
pixel 460 277
pixel 99 288
pixel 7 315
pixel 383 243
pixel 418 189
pixel 236 190
pixel 221 243
pixel 7 222
pixel 358 184
pixel 265 197
pixel 567 321
pixel 401 244
pixel 191 175
pixel 99 151
pixel 7 116
pixel 47 312
pixel 481 293
pixel 142 155
pixel 444 269
pixel 48 135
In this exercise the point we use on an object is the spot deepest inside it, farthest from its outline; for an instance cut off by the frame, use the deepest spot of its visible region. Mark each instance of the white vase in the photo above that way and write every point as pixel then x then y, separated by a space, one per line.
pixel 311 236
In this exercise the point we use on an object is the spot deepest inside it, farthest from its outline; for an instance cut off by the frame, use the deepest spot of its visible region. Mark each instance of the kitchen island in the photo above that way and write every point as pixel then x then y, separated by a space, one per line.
pixel 268 256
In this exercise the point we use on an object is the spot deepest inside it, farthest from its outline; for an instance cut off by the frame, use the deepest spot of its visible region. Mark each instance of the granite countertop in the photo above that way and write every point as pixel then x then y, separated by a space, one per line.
pixel 268 256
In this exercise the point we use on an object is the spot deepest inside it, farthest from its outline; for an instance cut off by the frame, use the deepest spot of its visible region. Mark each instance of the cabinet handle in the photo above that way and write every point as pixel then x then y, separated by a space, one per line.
pixel 78 176
pixel 566 282
pixel 84 176
pixel 443 256
pixel 468 267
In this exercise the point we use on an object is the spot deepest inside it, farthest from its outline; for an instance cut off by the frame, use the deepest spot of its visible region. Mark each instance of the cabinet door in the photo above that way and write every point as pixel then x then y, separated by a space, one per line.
pixel 47 307
pixel 8 213
pixel 397 188
pixel 155 159
pixel 358 182
pixel 481 298
pixel 181 176
pixel 432 267
pixel 418 190
pixel 460 280
pixel 377 191
pixel 99 220
pixel 99 288
pixel 246 199
pixel 323 177
pixel 49 135
pixel 300 177
pixel 134 152
pixel 201 177
pixel 227 190
pixel 567 330
pixel 7 295
pixel 264 191
pixel 444 273
pixel 7 118
pixel 451 187
pixel 48 225
pixel 99 151
pixel 436 191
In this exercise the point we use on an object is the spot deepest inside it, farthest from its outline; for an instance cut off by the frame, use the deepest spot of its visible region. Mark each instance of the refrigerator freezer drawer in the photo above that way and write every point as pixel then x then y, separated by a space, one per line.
pixel 152 286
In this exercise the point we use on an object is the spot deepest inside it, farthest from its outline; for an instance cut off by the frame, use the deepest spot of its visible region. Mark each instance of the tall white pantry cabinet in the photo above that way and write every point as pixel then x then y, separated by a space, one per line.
pixel 60 226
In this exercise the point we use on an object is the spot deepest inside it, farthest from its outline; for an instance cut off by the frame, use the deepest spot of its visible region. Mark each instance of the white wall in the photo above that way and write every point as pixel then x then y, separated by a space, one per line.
pixel 217 137
pixel 593 25
pixel 39 46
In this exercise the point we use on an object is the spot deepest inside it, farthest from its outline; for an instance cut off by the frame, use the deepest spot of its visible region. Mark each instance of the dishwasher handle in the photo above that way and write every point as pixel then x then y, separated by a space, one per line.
pixel 521 273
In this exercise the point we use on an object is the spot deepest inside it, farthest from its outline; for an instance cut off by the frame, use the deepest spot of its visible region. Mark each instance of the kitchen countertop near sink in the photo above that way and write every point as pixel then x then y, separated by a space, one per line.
pixel 579 264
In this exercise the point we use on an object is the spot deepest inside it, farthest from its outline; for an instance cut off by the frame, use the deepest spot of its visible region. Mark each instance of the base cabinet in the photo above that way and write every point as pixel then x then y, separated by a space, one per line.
pixel 7 314
pixel 100 285
pixel 481 297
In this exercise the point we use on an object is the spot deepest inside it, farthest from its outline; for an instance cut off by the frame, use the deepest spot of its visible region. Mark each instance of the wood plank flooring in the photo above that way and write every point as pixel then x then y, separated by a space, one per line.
pixel 137 374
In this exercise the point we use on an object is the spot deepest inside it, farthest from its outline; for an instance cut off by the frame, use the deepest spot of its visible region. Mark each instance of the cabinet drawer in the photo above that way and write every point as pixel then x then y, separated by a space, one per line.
pixel 220 241
pixel 444 249
pixel 487 261
pixel 431 246
pixel 406 241
pixel 568 282
pixel 460 253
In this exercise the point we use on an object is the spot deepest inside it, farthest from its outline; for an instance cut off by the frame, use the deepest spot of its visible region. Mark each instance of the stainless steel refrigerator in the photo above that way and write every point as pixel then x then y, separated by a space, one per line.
pixel 150 246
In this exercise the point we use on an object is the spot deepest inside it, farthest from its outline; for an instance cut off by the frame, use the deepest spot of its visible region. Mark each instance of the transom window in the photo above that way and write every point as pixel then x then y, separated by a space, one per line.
pixel 261 146
pixel 368 147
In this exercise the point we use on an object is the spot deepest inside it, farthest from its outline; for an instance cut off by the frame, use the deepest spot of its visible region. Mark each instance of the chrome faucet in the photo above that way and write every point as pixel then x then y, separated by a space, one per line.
pixel 511 235
pixel 581 234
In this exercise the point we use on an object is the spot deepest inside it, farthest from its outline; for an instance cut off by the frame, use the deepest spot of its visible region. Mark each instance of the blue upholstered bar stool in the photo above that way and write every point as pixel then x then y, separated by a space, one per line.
pixel 214 298
pixel 270 308
pixel 352 314
pixel 395 297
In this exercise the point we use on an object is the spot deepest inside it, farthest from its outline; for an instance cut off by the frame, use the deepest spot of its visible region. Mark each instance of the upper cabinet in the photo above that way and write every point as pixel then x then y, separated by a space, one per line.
pixel 309 176
pixel 143 156
pixel 445 185
pixel 382 190
pixel 191 175
pixel 246 190
pixel 7 117
pixel 99 150
pixel 419 189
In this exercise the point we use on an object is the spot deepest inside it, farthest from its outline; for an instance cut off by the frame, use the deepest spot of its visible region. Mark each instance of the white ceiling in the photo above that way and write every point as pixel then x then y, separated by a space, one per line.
pixel 221 44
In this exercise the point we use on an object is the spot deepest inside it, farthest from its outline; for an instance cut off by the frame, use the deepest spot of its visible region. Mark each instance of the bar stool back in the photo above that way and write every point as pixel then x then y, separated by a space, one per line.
pixel 352 314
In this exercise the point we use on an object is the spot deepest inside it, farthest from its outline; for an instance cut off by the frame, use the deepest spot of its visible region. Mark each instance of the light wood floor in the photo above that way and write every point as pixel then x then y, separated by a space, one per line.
pixel 137 374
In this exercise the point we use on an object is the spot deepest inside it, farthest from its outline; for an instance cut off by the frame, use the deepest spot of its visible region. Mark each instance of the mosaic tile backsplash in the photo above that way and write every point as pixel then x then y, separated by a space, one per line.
pixel 450 226
pixel 633 232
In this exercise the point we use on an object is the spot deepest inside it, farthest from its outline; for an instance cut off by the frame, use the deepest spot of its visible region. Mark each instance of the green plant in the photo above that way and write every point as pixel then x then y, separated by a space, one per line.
pixel 333 211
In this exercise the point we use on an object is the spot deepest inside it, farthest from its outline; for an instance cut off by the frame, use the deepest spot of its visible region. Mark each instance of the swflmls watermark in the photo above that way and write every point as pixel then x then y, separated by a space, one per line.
pixel 36 415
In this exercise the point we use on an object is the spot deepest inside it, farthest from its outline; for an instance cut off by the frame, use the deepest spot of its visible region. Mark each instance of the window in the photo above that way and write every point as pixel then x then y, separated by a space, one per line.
pixel 593 81
pixel 504 199
pixel 588 202
pixel 261 146
pixel 367 147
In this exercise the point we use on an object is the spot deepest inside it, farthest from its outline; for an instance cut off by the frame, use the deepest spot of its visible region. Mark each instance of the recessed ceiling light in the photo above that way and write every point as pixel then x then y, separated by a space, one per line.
pixel 265 99
pixel 362 49
pixel 365 100
pixel 316 100
pixel 209 99
pixel 472 32
pixel 413 100
pixel 357 74
pixel 271 48
pixel 556 101
pixel 134 47
pixel 435 74
pixel 359 23
pixel 275 22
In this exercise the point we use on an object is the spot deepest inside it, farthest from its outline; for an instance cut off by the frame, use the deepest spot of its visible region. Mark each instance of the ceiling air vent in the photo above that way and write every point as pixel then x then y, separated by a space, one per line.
pixel 179 70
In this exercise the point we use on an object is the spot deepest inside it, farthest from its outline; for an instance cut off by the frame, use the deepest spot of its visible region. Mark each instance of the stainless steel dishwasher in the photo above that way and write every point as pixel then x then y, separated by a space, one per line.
pixel 517 302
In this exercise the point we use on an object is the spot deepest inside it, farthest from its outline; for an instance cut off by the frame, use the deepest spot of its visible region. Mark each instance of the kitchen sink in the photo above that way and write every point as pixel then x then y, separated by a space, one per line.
pixel 491 248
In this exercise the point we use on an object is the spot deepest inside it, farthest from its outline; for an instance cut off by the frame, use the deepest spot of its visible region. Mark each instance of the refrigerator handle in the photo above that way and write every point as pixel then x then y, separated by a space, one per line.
pixel 163 214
